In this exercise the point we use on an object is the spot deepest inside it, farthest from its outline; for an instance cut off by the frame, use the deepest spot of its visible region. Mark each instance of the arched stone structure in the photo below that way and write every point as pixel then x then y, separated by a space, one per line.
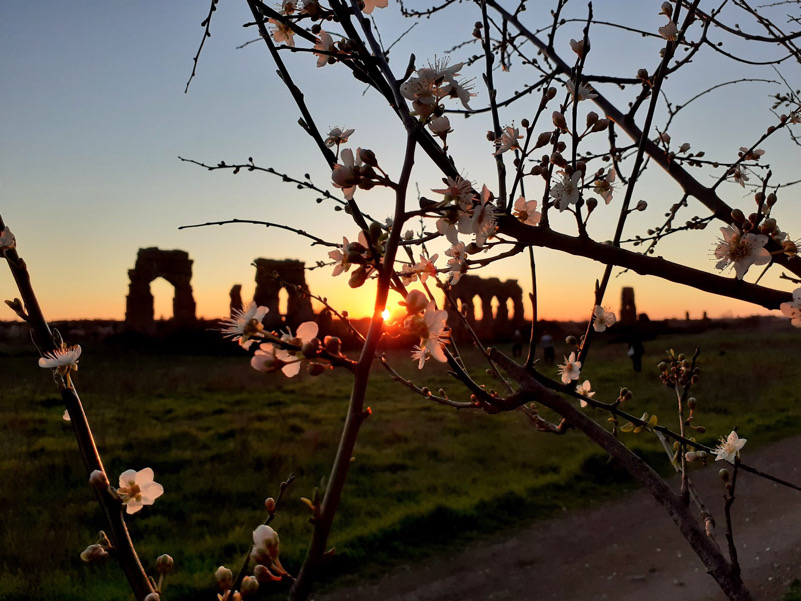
pixel 628 308
pixel 500 325
pixel 235 305
pixel 151 263
pixel 291 276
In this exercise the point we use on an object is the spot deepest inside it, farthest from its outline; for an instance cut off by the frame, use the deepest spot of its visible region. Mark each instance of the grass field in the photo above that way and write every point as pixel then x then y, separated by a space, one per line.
pixel 221 437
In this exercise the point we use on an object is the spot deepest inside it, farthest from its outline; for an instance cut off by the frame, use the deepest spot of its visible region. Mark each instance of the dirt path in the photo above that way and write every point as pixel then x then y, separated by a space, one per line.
pixel 628 550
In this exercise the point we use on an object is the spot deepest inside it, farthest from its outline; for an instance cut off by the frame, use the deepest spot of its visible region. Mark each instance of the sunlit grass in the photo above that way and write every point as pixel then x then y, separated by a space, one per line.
pixel 221 437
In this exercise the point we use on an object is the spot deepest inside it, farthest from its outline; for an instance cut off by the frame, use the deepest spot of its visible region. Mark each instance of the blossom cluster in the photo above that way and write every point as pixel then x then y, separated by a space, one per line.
pixel 423 319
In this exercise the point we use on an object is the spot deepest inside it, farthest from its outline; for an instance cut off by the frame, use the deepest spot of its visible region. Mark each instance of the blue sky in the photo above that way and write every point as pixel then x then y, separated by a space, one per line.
pixel 94 116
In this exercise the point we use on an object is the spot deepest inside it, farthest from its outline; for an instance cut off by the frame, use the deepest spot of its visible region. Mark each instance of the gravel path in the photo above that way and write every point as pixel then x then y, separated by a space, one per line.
pixel 627 550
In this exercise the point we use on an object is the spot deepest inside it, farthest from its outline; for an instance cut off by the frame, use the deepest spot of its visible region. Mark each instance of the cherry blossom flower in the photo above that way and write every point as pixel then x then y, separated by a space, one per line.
pixel 63 360
pixel 282 32
pixel 440 126
pixel 664 138
pixel 604 318
pixel 508 141
pixel 457 190
pixel 7 240
pixel 481 221
pixel 422 269
pixel 244 325
pixel 293 358
pixel 432 84
pixel 670 32
pixel 446 227
pixel 457 264
pixel 604 187
pixel 750 155
pixel 430 326
pixel 138 489
pixel 741 250
pixel 346 175
pixel 344 253
pixel 584 389
pixel 570 369
pixel 337 136
pixel 526 211
pixel 265 549
pixel 369 5
pixel 425 267
pixel 577 46
pixel 566 192
pixel 792 309
pixel 324 45
pixel 739 177
pixel 729 447
pixel 264 358
pixel 584 92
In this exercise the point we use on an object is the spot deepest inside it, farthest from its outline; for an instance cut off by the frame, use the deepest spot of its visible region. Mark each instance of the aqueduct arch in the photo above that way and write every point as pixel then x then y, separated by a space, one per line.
pixel 151 263
pixel 291 277
pixel 471 287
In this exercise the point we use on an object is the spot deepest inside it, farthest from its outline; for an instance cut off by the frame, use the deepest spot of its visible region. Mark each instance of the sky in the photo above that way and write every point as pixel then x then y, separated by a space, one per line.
pixel 94 117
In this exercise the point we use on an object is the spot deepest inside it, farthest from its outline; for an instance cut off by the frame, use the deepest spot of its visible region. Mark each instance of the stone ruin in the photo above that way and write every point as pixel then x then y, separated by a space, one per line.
pixel 151 263
pixel 271 277
pixel 497 324
pixel 628 308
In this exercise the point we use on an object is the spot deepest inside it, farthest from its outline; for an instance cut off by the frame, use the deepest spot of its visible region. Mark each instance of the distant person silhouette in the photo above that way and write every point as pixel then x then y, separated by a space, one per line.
pixel 517 344
pixel 636 351
pixel 546 342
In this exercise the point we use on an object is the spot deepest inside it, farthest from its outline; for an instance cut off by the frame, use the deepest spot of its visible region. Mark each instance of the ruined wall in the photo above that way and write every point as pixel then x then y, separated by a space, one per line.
pixel 272 276
pixel 473 289
pixel 151 263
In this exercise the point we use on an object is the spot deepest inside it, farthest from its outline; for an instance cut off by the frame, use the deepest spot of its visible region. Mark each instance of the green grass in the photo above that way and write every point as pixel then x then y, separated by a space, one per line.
pixel 221 437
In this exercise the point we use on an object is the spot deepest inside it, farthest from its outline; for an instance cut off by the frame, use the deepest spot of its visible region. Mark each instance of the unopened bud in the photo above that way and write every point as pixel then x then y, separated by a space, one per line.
pixel 692 402
pixel 559 120
pixel 558 160
pixel 571 340
pixel 368 157
pixel 249 586
pixel 592 202
pixel 550 94
pixel 642 74
pixel 93 553
pixel 724 475
pixel 164 564
pixel 690 456
pixel 738 216
pixel 641 206
pixel 543 139
pixel 601 125
pixel 269 504
pixel 98 479
pixel 592 118
pixel 333 345
pixel 772 199
pixel 700 429
pixel 152 597
pixel 225 579
pixel 524 123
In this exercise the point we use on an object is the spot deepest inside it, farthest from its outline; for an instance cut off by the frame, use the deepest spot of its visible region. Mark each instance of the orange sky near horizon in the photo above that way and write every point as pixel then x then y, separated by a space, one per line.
pixel 92 125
